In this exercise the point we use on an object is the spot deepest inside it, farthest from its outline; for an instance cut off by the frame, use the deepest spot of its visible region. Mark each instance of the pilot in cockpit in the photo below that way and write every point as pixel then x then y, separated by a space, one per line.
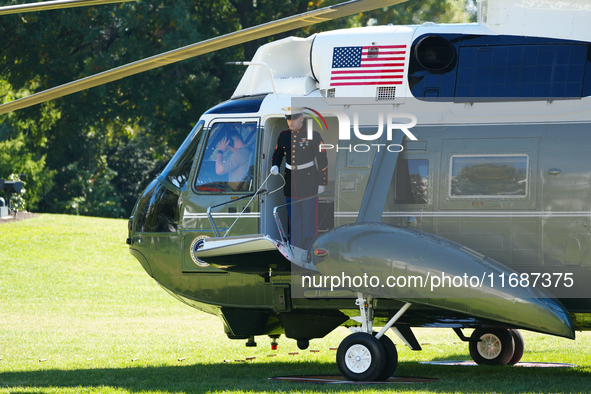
pixel 237 164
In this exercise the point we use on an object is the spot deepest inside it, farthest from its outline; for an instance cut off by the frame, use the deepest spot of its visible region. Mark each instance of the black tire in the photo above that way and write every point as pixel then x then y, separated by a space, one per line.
pixel 361 357
pixel 519 346
pixel 496 346
pixel 391 358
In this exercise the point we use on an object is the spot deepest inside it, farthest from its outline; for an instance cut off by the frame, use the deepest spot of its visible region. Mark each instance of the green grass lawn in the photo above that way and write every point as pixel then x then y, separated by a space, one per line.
pixel 79 315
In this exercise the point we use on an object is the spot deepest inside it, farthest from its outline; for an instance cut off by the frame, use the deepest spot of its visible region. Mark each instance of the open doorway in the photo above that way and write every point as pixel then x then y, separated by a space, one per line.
pixel 272 129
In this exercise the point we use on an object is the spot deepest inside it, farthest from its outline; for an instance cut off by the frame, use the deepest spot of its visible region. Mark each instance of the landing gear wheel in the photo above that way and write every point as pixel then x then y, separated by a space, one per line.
pixel 519 346
pixel 361 356
pixel 496 346
pixel 391 358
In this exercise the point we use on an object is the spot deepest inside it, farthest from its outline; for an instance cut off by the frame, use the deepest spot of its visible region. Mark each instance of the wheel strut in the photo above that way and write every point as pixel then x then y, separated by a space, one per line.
pixel 365 313
pixel 366 355
pixel 393 320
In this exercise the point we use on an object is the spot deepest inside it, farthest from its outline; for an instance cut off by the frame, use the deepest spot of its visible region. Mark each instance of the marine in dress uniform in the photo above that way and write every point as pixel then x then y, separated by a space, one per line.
pixel 306 174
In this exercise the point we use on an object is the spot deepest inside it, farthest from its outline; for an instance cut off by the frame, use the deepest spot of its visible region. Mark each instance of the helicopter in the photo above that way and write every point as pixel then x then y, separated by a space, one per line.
pixel 458 190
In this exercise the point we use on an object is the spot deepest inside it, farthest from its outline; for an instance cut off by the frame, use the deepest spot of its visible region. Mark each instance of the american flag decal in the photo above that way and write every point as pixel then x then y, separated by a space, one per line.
pixel 368 65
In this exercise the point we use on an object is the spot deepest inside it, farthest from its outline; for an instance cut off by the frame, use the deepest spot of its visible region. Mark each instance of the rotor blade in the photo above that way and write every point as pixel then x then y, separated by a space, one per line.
pixel 200 48
pixel 52 5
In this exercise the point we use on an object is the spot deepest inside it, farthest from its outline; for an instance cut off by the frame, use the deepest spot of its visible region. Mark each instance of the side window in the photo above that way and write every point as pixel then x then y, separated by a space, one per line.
pixel 489 176
pixel 178 169
pixel 228 159
pixel 411 181
pixel 157 210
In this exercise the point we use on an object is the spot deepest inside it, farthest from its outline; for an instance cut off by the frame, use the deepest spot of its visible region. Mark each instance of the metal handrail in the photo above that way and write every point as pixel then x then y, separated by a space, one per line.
pixel 216 232
pixel 284 238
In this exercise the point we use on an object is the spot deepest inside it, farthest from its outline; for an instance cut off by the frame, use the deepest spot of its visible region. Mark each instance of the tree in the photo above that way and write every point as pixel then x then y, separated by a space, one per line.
pixel 417 12
pixel 82 135
pixel 15 158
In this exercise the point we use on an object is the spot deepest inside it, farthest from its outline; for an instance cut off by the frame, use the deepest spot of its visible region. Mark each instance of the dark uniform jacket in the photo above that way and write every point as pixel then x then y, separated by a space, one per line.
pixel 299 151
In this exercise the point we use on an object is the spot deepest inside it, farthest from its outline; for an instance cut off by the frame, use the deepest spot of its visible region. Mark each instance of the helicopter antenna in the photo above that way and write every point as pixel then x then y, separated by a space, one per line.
pixel 53 5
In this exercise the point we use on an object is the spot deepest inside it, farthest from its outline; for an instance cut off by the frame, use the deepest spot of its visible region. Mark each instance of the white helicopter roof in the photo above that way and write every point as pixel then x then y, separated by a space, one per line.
pixel 300 66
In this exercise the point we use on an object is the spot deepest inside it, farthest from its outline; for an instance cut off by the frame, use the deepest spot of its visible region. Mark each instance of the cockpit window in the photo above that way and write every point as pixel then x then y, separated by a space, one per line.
pixel 228 159
pixel 178 169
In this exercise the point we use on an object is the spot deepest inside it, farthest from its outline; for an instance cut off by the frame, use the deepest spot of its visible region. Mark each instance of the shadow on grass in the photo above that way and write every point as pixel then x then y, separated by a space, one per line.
pixel 253 377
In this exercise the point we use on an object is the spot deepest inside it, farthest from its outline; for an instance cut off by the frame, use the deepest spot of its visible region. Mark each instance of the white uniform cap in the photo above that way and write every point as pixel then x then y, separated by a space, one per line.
pixel 292 110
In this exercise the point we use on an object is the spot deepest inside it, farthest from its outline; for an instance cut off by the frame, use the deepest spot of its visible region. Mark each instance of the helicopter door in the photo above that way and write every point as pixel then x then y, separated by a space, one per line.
pixel 225 180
